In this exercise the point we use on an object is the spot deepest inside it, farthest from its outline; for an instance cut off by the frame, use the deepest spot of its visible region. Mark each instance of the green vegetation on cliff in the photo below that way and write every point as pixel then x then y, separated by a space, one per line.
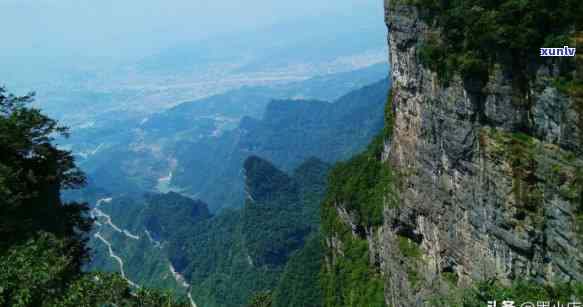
pixel 480 33
pixel 363 184
pixel 538 170
pixel 348 278
pixel 359 190
pixel 471 38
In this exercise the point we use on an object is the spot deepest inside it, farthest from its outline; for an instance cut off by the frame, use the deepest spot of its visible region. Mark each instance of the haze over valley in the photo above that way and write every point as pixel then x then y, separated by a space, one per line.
pixel 259 153
pixel 124 68
pixel 173 123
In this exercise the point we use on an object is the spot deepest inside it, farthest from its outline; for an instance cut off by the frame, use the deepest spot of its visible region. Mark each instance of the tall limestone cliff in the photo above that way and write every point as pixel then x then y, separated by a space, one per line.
pixel 486 178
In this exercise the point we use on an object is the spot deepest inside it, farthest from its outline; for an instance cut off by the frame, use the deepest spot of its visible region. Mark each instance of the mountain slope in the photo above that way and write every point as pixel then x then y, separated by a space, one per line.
pixel 290 132
pixel 141 237
pixel 275 222
pixel 170 241
pixel 129 156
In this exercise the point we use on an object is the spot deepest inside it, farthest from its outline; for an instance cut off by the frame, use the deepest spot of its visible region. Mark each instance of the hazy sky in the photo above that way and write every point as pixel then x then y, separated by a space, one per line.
pixel 70 28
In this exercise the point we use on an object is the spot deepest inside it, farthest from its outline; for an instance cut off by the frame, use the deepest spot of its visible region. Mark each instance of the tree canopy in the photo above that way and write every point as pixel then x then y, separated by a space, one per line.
pixel 43 246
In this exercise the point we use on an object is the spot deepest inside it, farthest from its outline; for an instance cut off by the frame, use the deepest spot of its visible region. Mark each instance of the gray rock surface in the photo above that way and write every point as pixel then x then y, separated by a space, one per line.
pixel 463 200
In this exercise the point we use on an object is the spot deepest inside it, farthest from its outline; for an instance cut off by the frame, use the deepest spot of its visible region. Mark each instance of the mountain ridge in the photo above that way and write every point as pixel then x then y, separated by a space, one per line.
pixel 290 132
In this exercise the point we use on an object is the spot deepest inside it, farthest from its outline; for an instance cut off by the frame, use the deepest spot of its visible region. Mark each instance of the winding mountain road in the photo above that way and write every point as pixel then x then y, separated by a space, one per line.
pixel 97 213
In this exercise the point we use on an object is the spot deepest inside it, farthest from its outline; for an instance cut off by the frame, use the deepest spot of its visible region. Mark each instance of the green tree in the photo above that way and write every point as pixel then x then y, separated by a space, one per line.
pixel 32 172
pixel 43 244
pixel 262 299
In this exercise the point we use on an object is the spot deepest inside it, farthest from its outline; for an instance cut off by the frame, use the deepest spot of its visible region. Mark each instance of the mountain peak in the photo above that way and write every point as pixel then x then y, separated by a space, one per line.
pixel 263 181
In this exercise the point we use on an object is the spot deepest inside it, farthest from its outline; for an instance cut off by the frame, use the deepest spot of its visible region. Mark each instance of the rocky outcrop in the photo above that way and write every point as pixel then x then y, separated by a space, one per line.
pixel 478 198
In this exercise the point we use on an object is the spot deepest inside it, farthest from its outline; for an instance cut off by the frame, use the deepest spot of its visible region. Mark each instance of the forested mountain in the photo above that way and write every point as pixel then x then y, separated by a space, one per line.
pixel 222 259
pixel 280 214
pixel 141 236
pixel 252 101
pixel 130 156
pixel 290 132
pixel 167 240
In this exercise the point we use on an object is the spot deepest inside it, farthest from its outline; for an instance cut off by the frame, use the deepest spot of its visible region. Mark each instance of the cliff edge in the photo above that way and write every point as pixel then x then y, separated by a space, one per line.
pixel 485 151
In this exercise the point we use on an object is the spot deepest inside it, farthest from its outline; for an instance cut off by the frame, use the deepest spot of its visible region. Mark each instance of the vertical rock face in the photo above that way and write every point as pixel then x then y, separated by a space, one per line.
pixel 478 198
